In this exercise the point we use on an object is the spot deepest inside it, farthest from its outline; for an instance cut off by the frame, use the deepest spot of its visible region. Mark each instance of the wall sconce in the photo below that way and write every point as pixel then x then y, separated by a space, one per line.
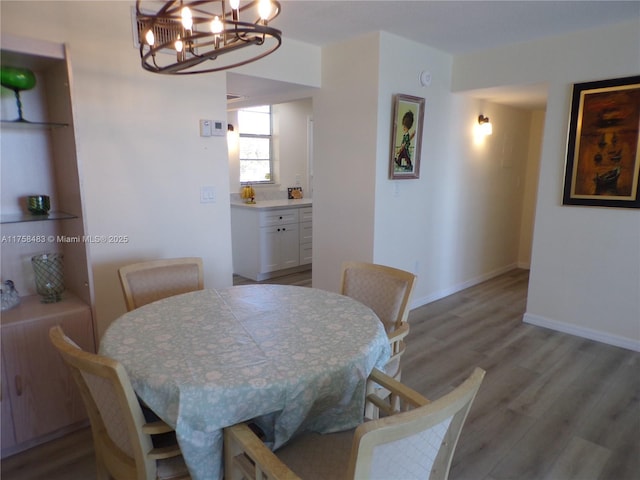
pixel 485 125
pixel 232 139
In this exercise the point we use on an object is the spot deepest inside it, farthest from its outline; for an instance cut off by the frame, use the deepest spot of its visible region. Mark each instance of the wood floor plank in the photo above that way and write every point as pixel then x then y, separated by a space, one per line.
pixel 581 460
pixel 486 441
pixel 543 393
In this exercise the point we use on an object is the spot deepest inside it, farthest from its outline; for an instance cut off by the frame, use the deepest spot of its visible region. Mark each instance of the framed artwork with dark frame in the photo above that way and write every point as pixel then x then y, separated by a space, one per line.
pixel 603 154
pixel 406 137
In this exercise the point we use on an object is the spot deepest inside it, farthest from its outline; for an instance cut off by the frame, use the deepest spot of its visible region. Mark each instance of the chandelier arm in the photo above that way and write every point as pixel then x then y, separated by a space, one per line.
pixel 195 45
pixel 178 70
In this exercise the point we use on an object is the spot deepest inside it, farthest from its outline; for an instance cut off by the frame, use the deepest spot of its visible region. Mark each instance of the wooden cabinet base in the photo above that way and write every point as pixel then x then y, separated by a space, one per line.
pixel 39 396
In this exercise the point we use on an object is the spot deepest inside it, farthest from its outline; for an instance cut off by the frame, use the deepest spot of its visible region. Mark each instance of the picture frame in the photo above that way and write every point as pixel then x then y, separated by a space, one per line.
pixel 406 137
pixel 603 150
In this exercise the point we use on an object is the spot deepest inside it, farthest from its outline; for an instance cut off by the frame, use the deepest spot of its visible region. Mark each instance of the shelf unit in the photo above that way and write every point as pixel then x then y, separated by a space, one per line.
pixel 39 399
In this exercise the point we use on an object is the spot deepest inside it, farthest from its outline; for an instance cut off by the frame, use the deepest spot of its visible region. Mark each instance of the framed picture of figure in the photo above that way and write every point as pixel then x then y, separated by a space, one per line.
pixel 406 137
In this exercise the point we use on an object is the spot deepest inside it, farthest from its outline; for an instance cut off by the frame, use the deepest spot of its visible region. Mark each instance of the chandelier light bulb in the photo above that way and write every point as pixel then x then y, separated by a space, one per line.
pixel 264 9
pixel 178 45
pixel 216 25
pixel 149 38
pixel 235 4
pixel 187 18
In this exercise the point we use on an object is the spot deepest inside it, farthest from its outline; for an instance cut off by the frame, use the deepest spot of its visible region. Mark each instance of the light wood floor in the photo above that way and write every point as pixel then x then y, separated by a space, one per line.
pixel 552 406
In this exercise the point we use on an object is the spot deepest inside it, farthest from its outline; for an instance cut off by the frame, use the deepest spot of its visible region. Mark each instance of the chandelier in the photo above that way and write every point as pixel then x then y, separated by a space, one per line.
pixel 199 36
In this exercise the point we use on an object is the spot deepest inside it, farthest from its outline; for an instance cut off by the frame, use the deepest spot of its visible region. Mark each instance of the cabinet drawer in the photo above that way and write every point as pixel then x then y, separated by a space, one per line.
pixel 306 214
pixel 278 217
pixel 306 232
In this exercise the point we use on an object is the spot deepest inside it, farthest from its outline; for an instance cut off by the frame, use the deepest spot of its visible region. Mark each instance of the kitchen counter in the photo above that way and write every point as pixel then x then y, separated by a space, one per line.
pixel 274 204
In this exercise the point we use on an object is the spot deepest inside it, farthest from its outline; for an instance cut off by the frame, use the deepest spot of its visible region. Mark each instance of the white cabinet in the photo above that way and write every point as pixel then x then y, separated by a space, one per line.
pixel 267 242
pixel 278 240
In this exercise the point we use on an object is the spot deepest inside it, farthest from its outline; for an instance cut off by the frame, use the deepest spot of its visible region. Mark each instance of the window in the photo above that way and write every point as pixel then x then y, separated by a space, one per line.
pixel 254 128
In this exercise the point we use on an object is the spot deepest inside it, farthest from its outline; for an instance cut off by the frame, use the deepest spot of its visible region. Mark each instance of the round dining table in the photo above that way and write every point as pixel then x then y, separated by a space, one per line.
pixel 290 358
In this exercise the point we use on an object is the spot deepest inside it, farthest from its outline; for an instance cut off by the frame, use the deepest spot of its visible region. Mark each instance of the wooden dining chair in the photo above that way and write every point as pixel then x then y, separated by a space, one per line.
pixel 386 291
pixel 122 438
pixel 146 282
pixel 416 440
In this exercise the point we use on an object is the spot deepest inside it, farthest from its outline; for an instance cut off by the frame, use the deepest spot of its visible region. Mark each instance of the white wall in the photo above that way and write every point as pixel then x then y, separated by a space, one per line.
pixel 291 137
pixel 585 272
pixel 142 161
pixel 530 189
pixel 345 158
pixel 141 157
pixel 456 225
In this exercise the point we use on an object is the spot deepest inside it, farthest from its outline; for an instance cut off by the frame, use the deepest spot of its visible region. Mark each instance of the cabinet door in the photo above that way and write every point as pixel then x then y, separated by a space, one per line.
pixel 289 246
pixel 8 435
pixel 44 396
pixel 269 249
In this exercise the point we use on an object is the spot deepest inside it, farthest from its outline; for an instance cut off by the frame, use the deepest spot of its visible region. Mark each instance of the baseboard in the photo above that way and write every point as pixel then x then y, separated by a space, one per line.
pixel 418 302
pixel 598 336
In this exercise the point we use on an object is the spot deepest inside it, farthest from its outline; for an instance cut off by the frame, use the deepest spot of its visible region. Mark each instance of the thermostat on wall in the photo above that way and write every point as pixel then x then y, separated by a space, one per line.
pixel 212 127
pixel 218 127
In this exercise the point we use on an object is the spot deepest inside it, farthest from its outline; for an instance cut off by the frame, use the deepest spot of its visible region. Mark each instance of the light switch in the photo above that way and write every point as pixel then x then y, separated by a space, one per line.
pixel 207 194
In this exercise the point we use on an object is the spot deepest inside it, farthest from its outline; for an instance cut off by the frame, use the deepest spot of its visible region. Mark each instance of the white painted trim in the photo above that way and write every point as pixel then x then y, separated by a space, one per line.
pixel 419 302
pixel 583 332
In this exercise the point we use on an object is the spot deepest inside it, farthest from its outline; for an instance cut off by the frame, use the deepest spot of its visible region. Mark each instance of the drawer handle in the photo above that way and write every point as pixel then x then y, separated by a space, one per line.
pixel 18 385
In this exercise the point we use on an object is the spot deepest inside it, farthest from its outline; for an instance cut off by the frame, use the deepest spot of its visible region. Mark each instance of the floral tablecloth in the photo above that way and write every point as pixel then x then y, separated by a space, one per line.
pixel 296 357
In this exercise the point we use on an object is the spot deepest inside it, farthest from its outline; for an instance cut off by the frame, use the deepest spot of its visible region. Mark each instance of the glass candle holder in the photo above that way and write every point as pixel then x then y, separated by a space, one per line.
pixel 48 269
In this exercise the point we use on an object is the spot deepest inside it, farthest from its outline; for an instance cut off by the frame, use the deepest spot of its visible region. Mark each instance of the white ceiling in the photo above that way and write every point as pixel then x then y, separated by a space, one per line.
pixel 451 26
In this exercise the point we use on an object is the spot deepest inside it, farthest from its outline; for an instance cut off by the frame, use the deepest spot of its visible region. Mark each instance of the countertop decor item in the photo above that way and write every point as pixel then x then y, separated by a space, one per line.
pixel 248 194
pixel 9 295
pixel 294 193
pixel 48 268
pixel 17 79
pixel 201 32
pixel 38 204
